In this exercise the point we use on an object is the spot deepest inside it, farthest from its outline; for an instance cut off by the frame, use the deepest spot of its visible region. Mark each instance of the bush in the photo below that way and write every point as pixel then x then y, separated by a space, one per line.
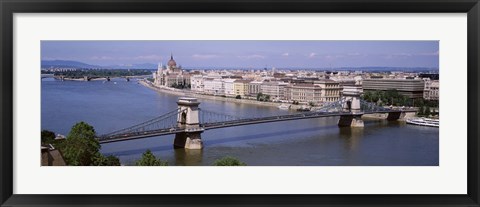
pixel 47 137
pixel 110 160
pixel 228 161
pixel 148 159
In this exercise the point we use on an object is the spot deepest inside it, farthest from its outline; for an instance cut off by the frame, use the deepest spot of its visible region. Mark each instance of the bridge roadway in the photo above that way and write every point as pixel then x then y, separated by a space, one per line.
pixel 239 122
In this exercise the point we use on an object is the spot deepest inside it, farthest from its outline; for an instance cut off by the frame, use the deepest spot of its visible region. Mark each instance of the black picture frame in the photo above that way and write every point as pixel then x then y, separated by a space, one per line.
pixel 10 7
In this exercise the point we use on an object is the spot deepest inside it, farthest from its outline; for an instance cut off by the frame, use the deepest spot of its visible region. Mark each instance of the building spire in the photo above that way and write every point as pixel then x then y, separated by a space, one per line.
pixel 171 56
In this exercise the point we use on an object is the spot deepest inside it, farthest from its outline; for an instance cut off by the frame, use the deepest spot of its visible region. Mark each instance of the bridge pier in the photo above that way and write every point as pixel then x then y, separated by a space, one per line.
pixel 351 121
pixel 188 119
pixel 351 95
pixel 188 140
pixel 392 116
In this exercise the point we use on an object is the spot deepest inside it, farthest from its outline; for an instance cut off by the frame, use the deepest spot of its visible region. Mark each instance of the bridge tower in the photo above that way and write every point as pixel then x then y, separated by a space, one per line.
pixel 351 103
pixel 188 119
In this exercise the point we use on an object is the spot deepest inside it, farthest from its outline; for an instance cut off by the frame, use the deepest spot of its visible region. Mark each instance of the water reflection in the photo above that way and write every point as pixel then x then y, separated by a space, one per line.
pixel 351 137
pixel 186 157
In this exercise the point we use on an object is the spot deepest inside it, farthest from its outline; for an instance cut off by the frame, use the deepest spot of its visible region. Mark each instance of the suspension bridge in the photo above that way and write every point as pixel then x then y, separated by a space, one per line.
pixel 188 121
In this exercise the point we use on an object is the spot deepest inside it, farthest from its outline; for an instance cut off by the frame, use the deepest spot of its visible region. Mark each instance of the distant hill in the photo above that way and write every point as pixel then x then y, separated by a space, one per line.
pixel 67 64
pixel 76 64
pixel 133 66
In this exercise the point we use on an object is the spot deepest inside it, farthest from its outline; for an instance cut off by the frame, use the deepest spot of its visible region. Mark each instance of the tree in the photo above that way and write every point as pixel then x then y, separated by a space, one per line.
pixel 228 161
pixel 47 137
pixel 259 96
pixel 100 160
pixel 267 97
pixel 420 111
pixel 427 110
pixel 80 148
pixel 148 159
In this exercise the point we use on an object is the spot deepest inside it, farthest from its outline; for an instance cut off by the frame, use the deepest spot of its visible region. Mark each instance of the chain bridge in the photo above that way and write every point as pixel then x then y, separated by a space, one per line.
pixel 188 121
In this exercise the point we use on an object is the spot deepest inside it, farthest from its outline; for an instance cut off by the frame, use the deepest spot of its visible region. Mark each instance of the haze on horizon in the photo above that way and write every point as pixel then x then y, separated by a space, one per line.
pixel 248 53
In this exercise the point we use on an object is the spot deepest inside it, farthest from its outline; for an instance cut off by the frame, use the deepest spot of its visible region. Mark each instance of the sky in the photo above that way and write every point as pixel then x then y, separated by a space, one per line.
pixel 246 53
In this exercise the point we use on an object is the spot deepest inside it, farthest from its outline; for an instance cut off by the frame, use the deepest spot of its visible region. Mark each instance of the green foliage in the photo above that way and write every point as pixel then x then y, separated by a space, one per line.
pixel 148 159
pixel 263 97
pixel 101 160
pixel 259 95
pixel 238 97
pixel 80 148
pixel 228 161
pixel 180 86
pixel 47 137
pixel 421 110
pixel 427 111
pixel 393 97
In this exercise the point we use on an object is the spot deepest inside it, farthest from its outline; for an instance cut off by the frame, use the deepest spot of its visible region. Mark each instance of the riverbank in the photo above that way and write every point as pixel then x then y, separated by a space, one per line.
pixel 178 92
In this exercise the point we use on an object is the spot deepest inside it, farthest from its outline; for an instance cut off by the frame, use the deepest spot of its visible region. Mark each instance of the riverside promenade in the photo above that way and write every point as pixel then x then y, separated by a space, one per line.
pixel 178 92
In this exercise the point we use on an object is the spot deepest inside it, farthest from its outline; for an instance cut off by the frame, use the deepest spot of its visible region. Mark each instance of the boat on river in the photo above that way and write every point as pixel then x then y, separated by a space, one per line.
pixel 424 122
pixel 284 106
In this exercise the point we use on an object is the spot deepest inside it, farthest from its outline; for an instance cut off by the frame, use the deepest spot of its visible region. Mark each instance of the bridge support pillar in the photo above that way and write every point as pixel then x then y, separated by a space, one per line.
pixel 392 116
pixel 188 140
pixel 351 121
pixel 351 97
pixel 188 119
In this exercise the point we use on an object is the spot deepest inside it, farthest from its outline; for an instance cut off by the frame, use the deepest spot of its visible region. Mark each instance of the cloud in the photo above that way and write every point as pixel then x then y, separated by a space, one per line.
pixel 285 54
pixel 398 55
pixel 101 58
pixel 252 57
pixel 356 54
pixel 334 56
pixel 141 57
pixel 436 53
pixel 204 56
pixel 148 57
pixel 312 55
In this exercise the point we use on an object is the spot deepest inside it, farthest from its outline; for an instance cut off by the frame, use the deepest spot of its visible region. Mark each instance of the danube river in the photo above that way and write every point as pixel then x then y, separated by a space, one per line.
pixel 109 106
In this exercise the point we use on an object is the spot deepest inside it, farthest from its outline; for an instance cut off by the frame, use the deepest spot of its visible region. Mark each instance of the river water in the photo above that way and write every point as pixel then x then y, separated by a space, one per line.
pixel 109 106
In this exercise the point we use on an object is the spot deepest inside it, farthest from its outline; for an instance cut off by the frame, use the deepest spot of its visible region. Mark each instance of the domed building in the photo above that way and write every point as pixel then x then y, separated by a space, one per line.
pixel 172 66
pixel 173 75
pixel 171 62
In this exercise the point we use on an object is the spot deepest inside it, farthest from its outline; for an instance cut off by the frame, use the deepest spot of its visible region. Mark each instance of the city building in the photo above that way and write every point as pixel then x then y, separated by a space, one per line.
pixel 254 88
pixel 303 93
pixel 228 86
pixel 330 90
pixel 276 90
pixel 171 75
pixel 431 91
pixel 411 88
pixel 320 91
pixel 51 156
pixel 241 87
pixel 214 86
pixel 196 83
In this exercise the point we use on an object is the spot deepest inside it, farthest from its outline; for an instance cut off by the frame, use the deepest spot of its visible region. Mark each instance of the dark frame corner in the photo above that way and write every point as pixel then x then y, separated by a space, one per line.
pixel 9 7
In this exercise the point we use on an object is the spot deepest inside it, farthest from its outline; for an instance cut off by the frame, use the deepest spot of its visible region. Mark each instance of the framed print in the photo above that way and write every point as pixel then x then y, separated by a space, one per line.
pixel 239 103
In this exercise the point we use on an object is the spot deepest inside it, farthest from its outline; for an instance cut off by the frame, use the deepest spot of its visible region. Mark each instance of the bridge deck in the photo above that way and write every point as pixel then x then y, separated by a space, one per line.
pixel 239 122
